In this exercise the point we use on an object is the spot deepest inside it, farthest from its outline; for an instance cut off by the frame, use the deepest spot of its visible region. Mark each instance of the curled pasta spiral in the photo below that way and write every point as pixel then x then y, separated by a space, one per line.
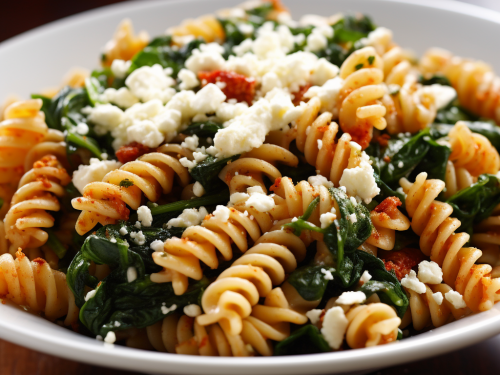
pixel 456 179
pixel 206 27
pixel 431 221
pixel 370 325
pixel 124 44
pixel 230 298
pixel 478 88
pixel 425 311
pixel 105 202
pixel 487 237
pixel 250 168
pixel 360 108
pixel 35 285
pixel 39 190
pixel 472 151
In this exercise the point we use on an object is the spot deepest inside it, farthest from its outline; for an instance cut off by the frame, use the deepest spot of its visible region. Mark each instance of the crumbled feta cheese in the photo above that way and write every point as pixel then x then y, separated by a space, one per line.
pixel 327 273
pixel 186 163
pixel 238 197
pixel 82 128
pixel 144 215
pixel 138 224
pixel 327 219
pixel 314 315
pixel 113 240
pixel 353 201
pixel 430 272
pixel 151 82
pixel 120 68
pixel 410 281
pixel 456 299
pixel 260 201
pixel 157 245
pixel 145 132
pixel 320 144
pixel 105 116
pixel 334 327
pixel 90 294
pixel 365 277
pixel 245 28
pixel 131 274
pixel 96 171
pixel 123 231
pixel 208 99
pixel 198 189
pixel 323 72
pixel 438 298
pixel 199 156
pixel 316 41
pixel 249 130
pixel 110 338
pixel 192 310
pixel 228 111
pixel 221 213
pixel 188 218
pixel 206 60
pixel 138 237
pixel 191 142
pixel 117 324
pixel 295 219
pixel 401 164
pixel 328 94
pixel 351 298
pixel 320 181
pixel 188 80
pixel 121 97
pixel 360 181
pixel 165 310
pixel 352 218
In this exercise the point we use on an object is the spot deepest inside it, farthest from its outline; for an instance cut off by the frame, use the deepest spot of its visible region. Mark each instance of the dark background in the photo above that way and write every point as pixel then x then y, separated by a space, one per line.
pixel 17 16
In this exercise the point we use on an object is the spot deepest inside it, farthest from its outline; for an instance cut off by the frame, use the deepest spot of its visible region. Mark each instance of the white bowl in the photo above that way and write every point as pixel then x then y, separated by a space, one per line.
pixel 39 58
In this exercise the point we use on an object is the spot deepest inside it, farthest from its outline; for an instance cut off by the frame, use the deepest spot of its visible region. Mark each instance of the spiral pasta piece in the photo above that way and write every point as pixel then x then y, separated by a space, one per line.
pixel 360 108
pixel 206 27
pixel 35 285
pixel 124 44
pixel 105 202
pixel 425 311
pixel 431 221
pixel 472 151
pixel 38 192
pixel 370 325
pixel 478 88
pixel 250 168
pixel 487 237
pixel 456 179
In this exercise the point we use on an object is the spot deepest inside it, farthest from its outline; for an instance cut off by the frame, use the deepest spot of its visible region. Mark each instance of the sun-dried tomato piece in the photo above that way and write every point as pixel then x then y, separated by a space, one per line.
pixel 299 95
pixel 389 206
pixel 402 261
pixel 131 152
pixel 233 85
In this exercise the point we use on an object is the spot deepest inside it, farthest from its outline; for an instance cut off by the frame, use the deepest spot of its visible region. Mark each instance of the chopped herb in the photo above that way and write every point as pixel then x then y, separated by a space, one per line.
pixel 371 59
pixel 359 66
pixel 126 183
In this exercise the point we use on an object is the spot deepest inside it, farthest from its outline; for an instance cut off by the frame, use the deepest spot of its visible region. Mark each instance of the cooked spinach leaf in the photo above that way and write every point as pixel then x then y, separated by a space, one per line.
pixel 207 172
pixel 435 79
pixel 203 129
pixel 306 340
pixel 310 282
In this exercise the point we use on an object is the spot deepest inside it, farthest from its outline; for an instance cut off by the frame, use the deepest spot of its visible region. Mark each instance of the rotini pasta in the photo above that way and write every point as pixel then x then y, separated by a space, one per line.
pixel 124 44
pixel 206 27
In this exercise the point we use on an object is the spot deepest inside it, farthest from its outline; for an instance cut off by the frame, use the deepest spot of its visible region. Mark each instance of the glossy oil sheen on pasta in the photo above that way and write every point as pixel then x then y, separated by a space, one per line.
pixel 247 184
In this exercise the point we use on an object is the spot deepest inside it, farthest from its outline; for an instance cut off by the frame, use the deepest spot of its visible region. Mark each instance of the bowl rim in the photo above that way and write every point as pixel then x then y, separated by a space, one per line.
pixel 91 351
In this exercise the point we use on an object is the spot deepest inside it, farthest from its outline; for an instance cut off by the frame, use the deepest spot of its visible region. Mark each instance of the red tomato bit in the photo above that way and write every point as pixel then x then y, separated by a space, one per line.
pixel 233 85
pixel 402 261
pixel 131 152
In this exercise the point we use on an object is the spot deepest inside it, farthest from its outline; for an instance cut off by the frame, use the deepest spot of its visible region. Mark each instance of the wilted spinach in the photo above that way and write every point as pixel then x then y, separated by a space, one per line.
pixel 306 340
pixel 207 172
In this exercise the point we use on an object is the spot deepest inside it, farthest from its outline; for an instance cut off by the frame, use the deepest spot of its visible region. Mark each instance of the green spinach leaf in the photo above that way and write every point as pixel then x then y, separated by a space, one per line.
pixel 306 340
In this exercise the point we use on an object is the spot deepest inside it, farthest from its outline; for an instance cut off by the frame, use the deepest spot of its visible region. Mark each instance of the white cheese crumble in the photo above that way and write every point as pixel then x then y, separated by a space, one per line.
pixel 151 82
pixel 117 324
pixel 208 58
pixel 401 164
pixel 320 180
pixel 90 295
pixel 123 231
pixel 121 97
pixel 238 198
pixel 144 215
pixel 360 180
pixel 120 68
pixel 328 94
pixel 351 298
pixel 410 281
pixel 327 273
pixel 110 338
pixel 165 310
pixel 188 79
pixel 334 327
pixel 191 142
pixel 258 200
pixel 157 245
pixel 208 99
pixel 138 224
pixel 145 132
pixel 327 218
pixel 352 218
pixel 96 171
pixel 131 274
pixel 249 130
pixel 198 189
pixel 365 277
pixel 316 41
pixel 430 272
pixel 320 144
pixel 323 72
pixel 188 218
pixel 438 298
pixel 221 213
pixel 138 237
pixel 192 310
pixel 314 315
pixel 82 128
pixel 456 299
